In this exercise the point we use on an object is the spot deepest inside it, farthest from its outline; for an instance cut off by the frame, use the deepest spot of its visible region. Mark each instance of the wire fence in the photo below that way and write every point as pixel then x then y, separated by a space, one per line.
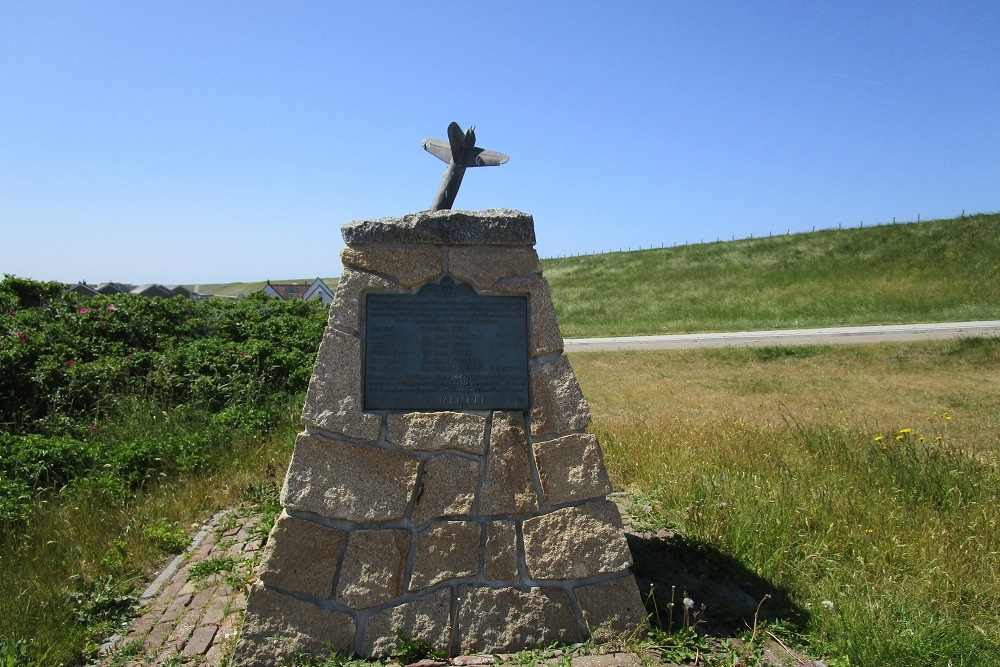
pixel 751 237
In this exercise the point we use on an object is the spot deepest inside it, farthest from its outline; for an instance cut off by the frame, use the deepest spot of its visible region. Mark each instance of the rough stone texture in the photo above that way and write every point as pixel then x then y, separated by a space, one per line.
pixel 508 488
pixel 571 468
pixel 302 557
pixel 495 226
pixel 435 431
pixel 447 488
pixel 373 567
pixel 341 480
pixel 501 551
pixel 576 542
pixel 426 619
pixel 437 533
pixel 611 608
pixel 447 550
pixel 504 620
pixel 276 627
pixel 558 405
pixel 482 267
pixel 546 337
pixel 409 266
pixel 345 311
pixel 333 401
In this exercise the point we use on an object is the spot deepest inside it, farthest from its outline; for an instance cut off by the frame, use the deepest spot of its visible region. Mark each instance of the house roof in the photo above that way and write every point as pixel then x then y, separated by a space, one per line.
pixel 153 290
pixel 82 289
pixel 179 290
pixel 297 290
pixel 114 288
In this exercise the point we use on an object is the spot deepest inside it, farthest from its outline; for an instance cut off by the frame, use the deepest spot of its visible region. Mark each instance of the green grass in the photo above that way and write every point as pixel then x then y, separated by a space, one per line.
pixel 862 476
pixel 72 574
pixel 936 271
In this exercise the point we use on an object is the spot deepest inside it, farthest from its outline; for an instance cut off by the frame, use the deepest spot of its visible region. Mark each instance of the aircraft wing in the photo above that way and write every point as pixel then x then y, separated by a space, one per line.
pixel 485 158
pixel 439 149
pixel 480 157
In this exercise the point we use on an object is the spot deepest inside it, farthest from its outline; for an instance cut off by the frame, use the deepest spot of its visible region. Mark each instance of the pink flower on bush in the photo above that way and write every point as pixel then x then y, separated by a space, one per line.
pixel 21 337
pixel 111 306
pixel 93 428
pixel 231 352
pixel 128 357
pixel 83 311
pixel 243 354
pixel 10 313
pixel 70 362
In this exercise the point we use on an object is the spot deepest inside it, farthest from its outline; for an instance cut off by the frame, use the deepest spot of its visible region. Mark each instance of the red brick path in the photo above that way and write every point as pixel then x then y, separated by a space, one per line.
pixel 188 619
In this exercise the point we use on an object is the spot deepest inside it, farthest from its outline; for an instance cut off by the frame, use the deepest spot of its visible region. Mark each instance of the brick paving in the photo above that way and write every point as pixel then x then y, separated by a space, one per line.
pixel 190 617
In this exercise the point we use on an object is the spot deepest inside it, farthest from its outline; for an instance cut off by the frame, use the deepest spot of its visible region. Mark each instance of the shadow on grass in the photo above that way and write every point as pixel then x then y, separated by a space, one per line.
pixel 673 566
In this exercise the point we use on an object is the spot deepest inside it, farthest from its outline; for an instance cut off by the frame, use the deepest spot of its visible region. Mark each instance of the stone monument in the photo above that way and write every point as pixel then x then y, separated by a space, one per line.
pixel 444 489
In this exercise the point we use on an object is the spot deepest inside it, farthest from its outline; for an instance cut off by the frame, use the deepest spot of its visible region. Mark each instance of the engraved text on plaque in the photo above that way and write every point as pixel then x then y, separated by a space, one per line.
pixel 446 348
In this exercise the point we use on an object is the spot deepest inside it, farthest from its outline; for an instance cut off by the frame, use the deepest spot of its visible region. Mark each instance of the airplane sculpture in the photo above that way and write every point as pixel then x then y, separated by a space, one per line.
pixel 460 152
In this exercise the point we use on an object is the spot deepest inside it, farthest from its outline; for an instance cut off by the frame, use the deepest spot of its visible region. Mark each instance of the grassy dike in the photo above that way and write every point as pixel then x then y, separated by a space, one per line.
pixel 936 271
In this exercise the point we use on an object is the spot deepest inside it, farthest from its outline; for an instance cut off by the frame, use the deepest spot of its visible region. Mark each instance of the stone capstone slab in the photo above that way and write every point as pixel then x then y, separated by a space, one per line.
pixel 508 488
pixel 436 431
pixel 333 400
pixel 410 266
pixel 571 468
pixel 446 550
pixel 612 608
pixel 546 337
pixel 576 542
pixel 504 620
pixel 302 556
pixel 342 480
pixel 426 619
pixel 482 267
pixel 372 573
pixel 557 402
pixel 345 311
pixel 276 627
pixel 501 551
pixel 447 488
pixel 496 226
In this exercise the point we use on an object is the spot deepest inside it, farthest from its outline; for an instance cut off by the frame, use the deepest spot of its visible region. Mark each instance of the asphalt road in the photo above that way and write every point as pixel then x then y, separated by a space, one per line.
pixel 832 335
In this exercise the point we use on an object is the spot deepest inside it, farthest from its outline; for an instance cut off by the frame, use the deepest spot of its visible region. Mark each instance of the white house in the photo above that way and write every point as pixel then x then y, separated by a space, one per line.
pixel 317 289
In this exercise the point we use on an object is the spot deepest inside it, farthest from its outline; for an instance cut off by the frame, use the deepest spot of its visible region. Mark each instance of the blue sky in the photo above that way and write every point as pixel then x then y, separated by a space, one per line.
pixel 228 141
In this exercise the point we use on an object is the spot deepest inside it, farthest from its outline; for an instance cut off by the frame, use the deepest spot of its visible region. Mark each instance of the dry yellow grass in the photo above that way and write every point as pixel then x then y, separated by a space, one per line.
pixel 928 387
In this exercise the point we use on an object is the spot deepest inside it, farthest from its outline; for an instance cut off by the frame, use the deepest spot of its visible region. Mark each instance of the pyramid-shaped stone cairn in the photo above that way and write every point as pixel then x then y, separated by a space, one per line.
pixel 470 528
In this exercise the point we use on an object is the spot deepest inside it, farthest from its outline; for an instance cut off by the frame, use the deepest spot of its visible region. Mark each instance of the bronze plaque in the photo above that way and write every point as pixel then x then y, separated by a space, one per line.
pixel 445 348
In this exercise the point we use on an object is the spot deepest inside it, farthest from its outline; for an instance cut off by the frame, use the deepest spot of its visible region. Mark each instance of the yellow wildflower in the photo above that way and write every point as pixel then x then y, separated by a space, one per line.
pixel 878 438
